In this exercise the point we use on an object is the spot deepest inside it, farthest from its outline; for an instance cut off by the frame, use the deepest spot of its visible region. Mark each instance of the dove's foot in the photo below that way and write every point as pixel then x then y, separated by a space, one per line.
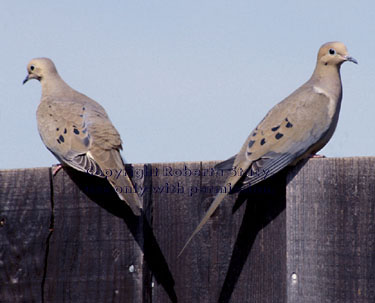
pixel 317 156
pixel 55 169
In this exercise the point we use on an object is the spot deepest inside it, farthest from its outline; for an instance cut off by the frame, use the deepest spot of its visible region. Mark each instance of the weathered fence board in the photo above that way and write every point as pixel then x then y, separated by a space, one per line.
pixel 306 235
pixel 25 214
pixel 331 231
pixel 233 257
pixel 93 256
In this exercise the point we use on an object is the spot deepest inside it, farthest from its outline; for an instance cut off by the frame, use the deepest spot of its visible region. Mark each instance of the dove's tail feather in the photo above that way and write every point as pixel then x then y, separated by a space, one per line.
pixel 207 216
pixel 215 204
pixel 227 164
pixel 113 167
pixel 126 192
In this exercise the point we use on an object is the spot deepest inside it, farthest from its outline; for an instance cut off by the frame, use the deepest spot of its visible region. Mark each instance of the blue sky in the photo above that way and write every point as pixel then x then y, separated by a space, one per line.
pixel 182 80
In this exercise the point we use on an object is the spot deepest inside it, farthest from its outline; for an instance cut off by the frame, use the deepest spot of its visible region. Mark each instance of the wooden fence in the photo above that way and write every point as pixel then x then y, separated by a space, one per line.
pixel 305 235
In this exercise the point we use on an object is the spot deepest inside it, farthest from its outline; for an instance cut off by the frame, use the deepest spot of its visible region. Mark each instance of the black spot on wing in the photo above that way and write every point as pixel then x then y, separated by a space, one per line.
pixel 263 141
pixel 275 128
pixel 65 131
pixel 251 143
pixel 61 138
pixel 289 125
pixel 76 131
pixel 254 134
pixel 249 153
pixel 57 129
pixel 279 136
pixel 58 141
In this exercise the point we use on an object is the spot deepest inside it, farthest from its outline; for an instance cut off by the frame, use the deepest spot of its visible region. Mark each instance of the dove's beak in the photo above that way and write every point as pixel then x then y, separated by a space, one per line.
pixel 26 79
pixel 351 59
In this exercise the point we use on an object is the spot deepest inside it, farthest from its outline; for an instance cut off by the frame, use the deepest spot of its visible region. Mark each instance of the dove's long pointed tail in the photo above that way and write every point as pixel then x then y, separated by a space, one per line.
pixel 125 190
pixel 218 199
pixel 231 181
pixel 111 162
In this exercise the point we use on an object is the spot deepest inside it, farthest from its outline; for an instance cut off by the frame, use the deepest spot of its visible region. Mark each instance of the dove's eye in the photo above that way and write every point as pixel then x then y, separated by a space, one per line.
pixel 32 67
pixel 332 51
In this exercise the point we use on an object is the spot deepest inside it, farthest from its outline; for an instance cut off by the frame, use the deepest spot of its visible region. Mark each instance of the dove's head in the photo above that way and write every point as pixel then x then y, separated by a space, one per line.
pixel 39 68
pixel 334 53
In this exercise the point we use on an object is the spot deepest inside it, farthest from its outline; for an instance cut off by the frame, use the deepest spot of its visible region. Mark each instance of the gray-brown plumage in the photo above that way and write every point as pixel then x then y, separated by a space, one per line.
pixel 294 129
pixel 77 130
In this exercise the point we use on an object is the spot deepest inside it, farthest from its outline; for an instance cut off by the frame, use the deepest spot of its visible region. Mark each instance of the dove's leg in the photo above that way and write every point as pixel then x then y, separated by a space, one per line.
pixel 317 156
pixel 56 168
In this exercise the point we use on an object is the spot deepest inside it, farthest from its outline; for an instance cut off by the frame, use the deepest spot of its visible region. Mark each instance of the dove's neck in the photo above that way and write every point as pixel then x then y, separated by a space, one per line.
pixel 328 79
pixel 55 86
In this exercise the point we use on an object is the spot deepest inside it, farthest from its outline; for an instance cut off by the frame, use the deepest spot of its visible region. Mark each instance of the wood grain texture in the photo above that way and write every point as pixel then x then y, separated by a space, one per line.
pixel 331 231
pixel 95 251
pixel 239 256
pixel 70 239
pixel 25 213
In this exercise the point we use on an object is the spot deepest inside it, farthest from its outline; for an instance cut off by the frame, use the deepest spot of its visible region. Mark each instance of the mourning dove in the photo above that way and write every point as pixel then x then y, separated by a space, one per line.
pixel 77 130
pixel 296 128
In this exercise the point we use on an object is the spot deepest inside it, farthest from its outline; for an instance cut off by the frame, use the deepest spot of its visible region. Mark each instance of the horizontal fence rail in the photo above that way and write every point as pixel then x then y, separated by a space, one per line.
pixel 304 235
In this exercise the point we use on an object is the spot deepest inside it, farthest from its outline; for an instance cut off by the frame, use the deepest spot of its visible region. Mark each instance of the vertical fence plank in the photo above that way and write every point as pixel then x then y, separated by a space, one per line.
pixel 95 251
pixel 25 213
pixel 331 231
pixel 239 256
